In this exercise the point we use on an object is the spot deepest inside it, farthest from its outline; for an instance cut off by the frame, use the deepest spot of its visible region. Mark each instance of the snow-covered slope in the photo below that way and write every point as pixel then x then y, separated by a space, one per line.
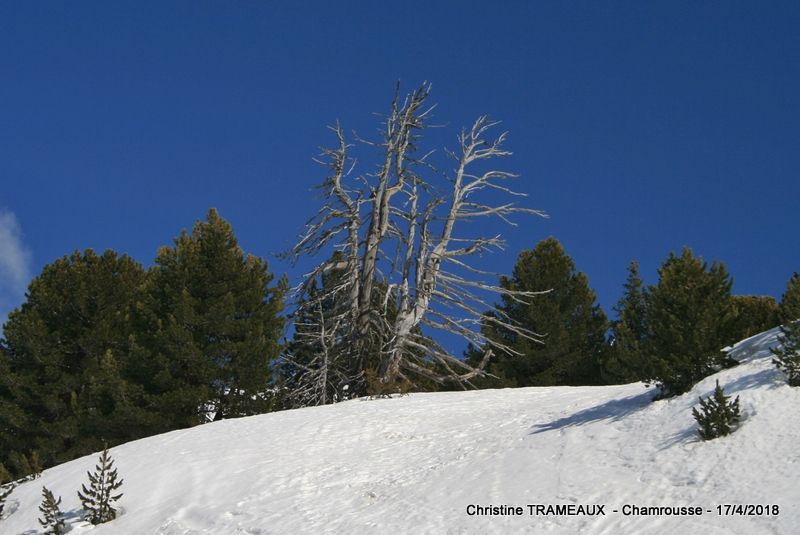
pixel 414 464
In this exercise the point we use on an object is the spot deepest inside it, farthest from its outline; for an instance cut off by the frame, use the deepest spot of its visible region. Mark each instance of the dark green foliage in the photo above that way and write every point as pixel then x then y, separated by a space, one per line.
pixel 52 519
pixel 98 500
pixel 787 355
pixel 34 465
pixel 626 360
pixel 572 324
pixel 5 475
pixel 752 314
pixel 211 327
pixel 23 466
pixel 689 318
pixel 56 397
pixel 18 465
pixel 717 416
pixel 790 301
pixel 11 421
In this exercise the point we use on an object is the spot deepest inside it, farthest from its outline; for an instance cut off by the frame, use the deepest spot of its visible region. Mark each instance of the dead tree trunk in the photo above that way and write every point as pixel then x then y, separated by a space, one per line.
pixel 400 216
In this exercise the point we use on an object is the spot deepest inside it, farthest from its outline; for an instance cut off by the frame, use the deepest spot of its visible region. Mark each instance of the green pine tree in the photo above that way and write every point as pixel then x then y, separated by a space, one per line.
pixel 52 518
pixel 626 361
pixel 790 301
pixel 717 416
pixel 689 322
pixel 787 355
pixel 572 323
pixel 77 311
pixel 98 500
pixel 213 327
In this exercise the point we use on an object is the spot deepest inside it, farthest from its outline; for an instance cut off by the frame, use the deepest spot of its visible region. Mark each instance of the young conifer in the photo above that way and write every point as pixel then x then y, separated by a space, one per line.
pixel 52 519
pixel 787 355
pixel 98 499
pixel 718 416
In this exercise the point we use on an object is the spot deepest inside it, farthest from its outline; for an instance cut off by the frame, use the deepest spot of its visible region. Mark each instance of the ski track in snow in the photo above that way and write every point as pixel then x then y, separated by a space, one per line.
pixel 413 464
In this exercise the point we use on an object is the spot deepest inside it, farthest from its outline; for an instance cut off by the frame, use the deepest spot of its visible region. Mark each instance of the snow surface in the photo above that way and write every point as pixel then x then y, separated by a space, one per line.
pixel 413 464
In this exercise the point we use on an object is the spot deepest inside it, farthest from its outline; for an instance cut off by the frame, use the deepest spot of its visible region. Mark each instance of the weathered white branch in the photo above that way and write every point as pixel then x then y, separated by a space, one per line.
pixel 397 215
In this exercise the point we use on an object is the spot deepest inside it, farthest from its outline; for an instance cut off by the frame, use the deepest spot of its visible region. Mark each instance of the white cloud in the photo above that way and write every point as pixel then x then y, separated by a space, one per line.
pixel 15 264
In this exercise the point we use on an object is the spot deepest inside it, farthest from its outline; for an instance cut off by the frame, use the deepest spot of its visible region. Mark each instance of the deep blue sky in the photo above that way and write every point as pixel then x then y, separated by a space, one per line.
pixel 639 126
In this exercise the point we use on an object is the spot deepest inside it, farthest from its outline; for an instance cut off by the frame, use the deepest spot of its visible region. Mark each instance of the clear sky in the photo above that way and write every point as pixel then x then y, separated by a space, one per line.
pixel 639 126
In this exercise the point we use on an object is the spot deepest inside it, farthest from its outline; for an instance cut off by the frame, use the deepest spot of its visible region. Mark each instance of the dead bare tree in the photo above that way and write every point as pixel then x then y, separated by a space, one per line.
pixel 400 214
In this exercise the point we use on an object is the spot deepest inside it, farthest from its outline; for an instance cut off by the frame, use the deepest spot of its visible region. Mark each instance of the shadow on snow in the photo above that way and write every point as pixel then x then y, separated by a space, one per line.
pixel 612 411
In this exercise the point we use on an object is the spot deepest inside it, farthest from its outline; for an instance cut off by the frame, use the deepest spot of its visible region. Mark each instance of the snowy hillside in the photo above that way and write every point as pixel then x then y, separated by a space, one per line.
pixel 414 464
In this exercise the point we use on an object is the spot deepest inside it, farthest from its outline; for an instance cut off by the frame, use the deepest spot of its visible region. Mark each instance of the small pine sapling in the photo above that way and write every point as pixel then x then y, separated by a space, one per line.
pixel 52 519
pixel 718 415
pixel 98 499
pixel 787 356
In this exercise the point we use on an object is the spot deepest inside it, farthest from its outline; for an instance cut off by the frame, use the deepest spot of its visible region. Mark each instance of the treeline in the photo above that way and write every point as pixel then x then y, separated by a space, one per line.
pixel 668 334
pixel 104 351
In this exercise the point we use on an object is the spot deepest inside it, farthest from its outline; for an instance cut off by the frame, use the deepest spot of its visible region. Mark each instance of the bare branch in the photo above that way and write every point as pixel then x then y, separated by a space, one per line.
pixel 409 227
